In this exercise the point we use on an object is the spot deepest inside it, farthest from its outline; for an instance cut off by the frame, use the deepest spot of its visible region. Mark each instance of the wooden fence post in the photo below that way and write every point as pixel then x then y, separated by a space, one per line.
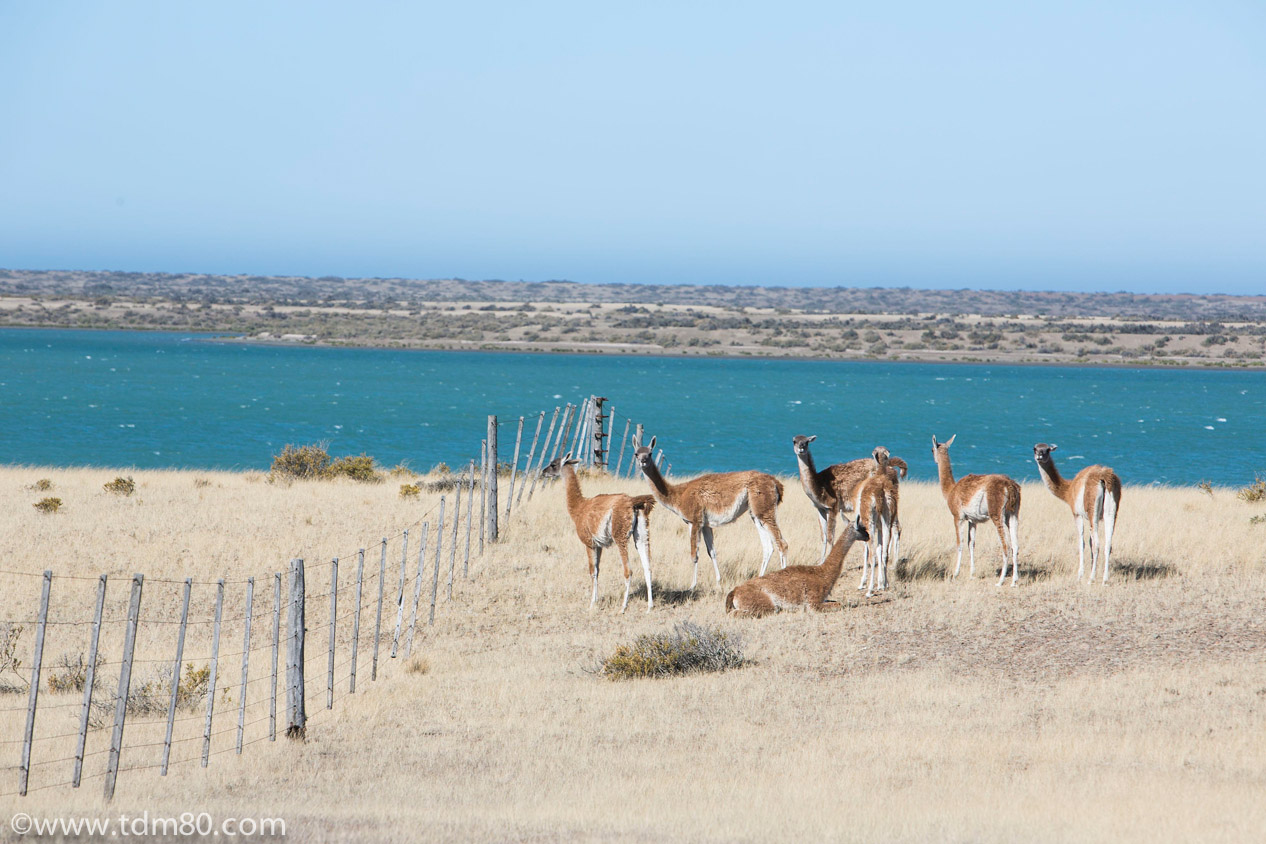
pixel 545 448
pixel 296 713
pixel 527 464
pixel 452 546
pixel 329 671
pixel 514 468
pixel 215 670
pixel 483 493
pixel 624 438
pixel 470 501
pixel 382 576
pixel 492 479
pixel 582 422
pixel 417 590
pixel 606 448
pixel 404 565
pixel 360 585
pixel 37 661
pixel 125 683
pixel 246 661
pixel 175 673
pixel 435 579
pixel 569 416
pixel 272 697
pixel 638 435
pixel 91 678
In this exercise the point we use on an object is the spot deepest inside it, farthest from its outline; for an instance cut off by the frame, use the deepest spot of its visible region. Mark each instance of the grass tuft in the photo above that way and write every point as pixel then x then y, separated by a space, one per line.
pixel 687 649
pixel 1254 492
pixel 48 505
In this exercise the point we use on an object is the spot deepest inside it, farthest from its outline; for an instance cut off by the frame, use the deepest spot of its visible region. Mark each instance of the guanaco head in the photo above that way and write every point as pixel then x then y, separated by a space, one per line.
pixel 645 455
pixel 800 444
pixel 555 467
pixel 1042 452
pixel 940 449
pixel 881 457
pixel 859 532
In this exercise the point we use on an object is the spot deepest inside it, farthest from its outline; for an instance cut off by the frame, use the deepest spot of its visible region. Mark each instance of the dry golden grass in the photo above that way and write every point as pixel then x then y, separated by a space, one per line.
pixel 946 711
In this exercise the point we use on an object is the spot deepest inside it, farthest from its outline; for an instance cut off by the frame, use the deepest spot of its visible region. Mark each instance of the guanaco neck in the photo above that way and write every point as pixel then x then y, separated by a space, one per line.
pixel 660 486
pixel 833 565
pixel 808 472
pixel 945 473
pixel 1051 477
pixel 574 497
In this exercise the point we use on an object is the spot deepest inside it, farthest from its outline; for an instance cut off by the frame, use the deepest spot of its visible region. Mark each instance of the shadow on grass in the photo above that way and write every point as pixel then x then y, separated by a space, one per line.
pixel 679 597
pixel 1143 570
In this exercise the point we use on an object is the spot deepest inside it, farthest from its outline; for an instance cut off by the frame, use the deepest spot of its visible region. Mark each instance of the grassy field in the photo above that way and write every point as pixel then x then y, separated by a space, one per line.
pixel 944 711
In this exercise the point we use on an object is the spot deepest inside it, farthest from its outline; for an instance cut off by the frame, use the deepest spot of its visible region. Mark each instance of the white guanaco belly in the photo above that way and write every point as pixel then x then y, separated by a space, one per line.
pixel 716 519
pixel 977 509
pixel 602 536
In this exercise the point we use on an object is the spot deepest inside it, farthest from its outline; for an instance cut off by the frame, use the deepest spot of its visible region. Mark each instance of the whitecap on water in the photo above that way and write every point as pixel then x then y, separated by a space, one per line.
pixel 1208 427
pixel 1221 419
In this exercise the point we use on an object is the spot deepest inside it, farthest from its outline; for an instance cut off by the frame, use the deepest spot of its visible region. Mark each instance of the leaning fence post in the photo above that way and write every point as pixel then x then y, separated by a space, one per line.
pixel 36 662
pixel 470 501
pixel 272 698
pixel 545 446
pixel 404 564
pixel 125 682
pixel 329 677
pixel 527 464
pixel 175 674
pixel 246 656
pixel 492 479
pixel 514 468
pixel 296 714
pixel 568 419
pixel 582 421
pixel 215 668
pixel 435 579
pixel 417 590
pixel 89 680
pixel 623 439
pixel 360 582
pixel 382 576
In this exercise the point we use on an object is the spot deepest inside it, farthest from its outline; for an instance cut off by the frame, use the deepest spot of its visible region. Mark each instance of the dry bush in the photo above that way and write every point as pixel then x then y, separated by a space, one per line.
pixel 201 483
pixel 71 675
pixel 402 470
pixel 11 679
pixel 359 469
pixel 42 485
pixel 687 649
pixel 410 490
pixel 48 505
pixel 305 462
pixel 151 697
pixel 1254 492
pixel 120 486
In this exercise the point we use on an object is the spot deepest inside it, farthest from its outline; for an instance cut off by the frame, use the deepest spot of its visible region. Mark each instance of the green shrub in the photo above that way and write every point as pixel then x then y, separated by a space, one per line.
pixel 402 470
pixel 410 490
pixel 121 486
pixel 42 485
pixel 687 649
pixel 48 505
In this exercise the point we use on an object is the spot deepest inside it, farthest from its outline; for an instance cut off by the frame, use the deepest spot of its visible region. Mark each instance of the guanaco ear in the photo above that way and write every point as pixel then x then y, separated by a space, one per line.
pixel 652 444
pixel 1053 446
pixel 812 438
pixel 857 525
pixel 950 441
pixel 934 442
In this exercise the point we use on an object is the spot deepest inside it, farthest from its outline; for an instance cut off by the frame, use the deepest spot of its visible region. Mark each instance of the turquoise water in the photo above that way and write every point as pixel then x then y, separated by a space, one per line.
pixel 178 400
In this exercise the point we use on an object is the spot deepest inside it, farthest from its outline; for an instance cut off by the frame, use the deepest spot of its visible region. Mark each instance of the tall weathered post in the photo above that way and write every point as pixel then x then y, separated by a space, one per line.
pixel 492 479
pixel 296 715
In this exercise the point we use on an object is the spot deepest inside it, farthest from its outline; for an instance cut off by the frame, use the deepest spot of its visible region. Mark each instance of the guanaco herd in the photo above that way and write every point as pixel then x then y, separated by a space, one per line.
pixel 865 493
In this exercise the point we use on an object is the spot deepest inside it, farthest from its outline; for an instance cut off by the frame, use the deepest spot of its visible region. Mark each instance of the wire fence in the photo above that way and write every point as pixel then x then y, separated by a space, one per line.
pixel 171 679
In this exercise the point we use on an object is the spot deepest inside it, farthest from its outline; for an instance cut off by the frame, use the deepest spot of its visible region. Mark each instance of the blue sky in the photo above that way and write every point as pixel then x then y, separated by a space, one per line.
pixel 1065 146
